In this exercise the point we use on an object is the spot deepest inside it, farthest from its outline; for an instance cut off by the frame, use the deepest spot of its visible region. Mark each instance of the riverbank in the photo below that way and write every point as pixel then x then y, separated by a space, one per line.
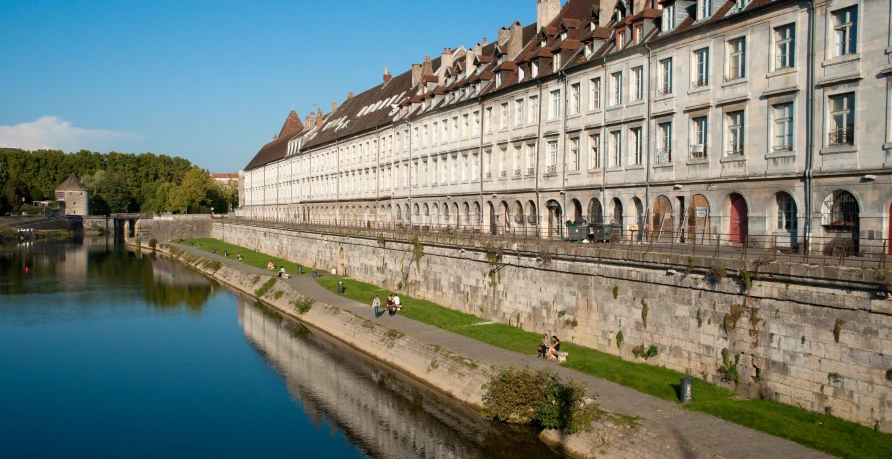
pixel 663 430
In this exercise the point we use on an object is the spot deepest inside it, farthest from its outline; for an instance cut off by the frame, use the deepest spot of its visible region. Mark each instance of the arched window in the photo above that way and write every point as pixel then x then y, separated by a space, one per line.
pixel 841 210
pixel 786 213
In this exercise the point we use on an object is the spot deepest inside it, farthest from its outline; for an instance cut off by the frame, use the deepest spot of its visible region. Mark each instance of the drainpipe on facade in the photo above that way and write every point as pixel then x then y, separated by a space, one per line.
pixel 648 151
pixel 603 151
pixel 338 182
pixel 563 139
pixel 538 151
pixel 409 173
pixel 480 155
pixel 810 121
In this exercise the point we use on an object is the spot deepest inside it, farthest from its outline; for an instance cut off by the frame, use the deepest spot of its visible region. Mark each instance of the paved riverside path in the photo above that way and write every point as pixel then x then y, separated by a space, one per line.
pixel 672 432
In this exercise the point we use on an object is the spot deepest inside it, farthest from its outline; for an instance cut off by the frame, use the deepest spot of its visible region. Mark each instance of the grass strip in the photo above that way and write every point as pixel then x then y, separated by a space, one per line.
pixel 249 257
pixel 818 431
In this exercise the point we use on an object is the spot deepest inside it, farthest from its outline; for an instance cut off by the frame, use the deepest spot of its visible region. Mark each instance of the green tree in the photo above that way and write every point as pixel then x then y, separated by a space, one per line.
pixel 193 194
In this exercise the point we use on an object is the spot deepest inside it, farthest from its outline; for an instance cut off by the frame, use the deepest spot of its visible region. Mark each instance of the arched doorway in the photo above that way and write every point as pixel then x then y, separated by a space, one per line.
pixel 617 218
pixel 477 217
pixel 505 216
pixel 595 211
pixel 427 215
pixel 554 218
pixel 639 218
pixel 698 219
pixel 577 210
pixel 739 219
pixel 493 225
pixel 662 222
pixel 518 216
pixel 532 218
pixel 787 220
pixel 467 210
pixel 841 219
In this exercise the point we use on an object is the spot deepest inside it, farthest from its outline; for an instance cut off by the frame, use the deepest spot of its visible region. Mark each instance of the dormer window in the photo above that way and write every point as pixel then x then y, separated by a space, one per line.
pixel 639 33
pixel 588 50
pixel 542 43
pixel 669 18
pixel 556 63
pixel 535 69
pixel 498 79
pixel 704 9
pixel 520 72
pixel 563 35
pixel 620 39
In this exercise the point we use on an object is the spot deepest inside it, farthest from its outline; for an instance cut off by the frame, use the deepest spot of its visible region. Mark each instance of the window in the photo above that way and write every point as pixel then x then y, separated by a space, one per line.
pixel 594 143
pixel 487 164
pixel 636 140
pixel 552 156
pixel 503 161
pixel 574 154
pixel 842 120
pixel 704 10
pixel 498 79
pixel 594 94
pixel 454 127
pixel 424 139
pixel 620 39
pixel 555 104
pixel 531 158
pixel 845 26
pixel 737 58
pixel 466 125
pixel 639 33
pixel 735 133
pixel 701 68
pixel 534 109
pixel 503 116
pixel 617 81
pixel 476 125
pixel 665 76
pixel 487 121
pixel 574 98
pixel 517 161
pixel 784 43
pixel 616 152
pixel 786 213
pixel 637 83
pixel 669 18
pixel 556 63
pixel 783 127
pixel 664 145
pixel 518 112
pixel 699 137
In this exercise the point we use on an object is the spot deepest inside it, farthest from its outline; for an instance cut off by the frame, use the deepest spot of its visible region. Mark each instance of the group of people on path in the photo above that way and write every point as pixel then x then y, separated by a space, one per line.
pixel 393 305
pixel 548 347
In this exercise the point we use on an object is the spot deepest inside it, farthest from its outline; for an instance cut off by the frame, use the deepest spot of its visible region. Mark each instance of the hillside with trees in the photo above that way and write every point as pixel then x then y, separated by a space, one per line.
pixel 118 182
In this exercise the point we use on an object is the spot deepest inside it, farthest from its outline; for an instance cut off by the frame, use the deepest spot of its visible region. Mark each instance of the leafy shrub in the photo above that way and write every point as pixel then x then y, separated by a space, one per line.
pixel 619 339
pixel 303 305
pixel 525 396
pixel 265 287
pixel 718 272
pixel 278 294
pixel 153 243
pixel 642 353
pixel 615 292
pixel 728 370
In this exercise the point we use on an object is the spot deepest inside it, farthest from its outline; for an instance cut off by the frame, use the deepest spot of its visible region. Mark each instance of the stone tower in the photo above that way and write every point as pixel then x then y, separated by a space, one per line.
pixel 74 197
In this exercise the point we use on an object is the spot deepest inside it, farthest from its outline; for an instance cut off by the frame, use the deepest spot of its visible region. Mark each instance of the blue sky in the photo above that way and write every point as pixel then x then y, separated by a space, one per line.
pixel 211 81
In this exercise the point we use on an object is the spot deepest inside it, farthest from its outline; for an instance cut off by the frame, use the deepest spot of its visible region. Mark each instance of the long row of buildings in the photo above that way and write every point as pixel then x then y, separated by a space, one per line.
pixel 720 119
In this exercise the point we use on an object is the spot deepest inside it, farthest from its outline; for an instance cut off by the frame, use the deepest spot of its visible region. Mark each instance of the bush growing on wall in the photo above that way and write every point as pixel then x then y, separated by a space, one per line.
pixel 525 396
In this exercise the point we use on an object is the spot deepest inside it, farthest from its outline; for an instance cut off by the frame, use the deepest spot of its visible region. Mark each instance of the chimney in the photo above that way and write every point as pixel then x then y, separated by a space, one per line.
pixel 319 118
pixel 387 75
pixel 546 12
pixel 484 41
pixel 504 35
pixel 515 40
pixel 446 61
pixel 334 106
pixel 311 119
pixel 349 95
pixel 416 74
pixel 427 68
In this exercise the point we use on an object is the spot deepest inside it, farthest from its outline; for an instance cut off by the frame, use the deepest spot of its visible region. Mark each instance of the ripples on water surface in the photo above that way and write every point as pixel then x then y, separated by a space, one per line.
pixel 107 353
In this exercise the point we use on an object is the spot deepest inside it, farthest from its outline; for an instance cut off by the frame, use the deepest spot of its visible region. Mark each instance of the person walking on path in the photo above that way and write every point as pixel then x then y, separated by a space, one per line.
pixel 376 303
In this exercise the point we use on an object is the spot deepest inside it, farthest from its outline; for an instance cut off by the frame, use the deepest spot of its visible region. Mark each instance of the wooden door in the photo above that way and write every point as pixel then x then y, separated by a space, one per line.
pixel 739 221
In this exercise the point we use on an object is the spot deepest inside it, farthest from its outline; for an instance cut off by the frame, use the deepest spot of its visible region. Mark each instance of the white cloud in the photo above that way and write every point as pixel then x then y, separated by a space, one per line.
pixel 50 132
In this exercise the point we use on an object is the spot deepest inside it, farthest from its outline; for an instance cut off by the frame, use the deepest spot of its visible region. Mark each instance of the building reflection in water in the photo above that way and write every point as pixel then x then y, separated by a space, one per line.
pixel 384 412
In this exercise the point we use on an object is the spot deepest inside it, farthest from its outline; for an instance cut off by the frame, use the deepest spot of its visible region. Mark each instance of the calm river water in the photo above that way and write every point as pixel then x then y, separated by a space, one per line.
pixel 107 353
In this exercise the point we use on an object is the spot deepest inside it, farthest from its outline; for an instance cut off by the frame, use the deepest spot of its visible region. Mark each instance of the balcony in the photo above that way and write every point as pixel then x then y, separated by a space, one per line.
pixel 664 92
pixel 503 174
pixel 488 175
pixel 841 136
pixel 734 152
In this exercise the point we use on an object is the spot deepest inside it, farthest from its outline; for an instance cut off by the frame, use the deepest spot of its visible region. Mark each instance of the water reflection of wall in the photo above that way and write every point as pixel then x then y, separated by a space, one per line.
pixel 174 273
pixel 372 406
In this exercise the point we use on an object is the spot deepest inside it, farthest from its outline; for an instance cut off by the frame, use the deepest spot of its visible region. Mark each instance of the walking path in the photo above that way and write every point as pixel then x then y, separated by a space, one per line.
pixel 673 431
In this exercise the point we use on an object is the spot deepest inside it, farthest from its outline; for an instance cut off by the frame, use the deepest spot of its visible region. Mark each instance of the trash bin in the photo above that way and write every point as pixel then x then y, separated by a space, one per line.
pixel 300 269
pixel 577 232
pixel 686 387
pixel 341 288
pixel 602 232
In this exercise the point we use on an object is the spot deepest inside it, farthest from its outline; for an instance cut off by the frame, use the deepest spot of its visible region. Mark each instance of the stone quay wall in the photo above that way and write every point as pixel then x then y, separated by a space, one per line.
pixel 817 337
pixel 168 227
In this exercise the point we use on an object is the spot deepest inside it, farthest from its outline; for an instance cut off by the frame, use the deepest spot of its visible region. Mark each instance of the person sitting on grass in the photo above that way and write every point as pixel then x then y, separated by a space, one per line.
pixel 282 272
pixel 555 347
pixel 238 256
pixel 270 266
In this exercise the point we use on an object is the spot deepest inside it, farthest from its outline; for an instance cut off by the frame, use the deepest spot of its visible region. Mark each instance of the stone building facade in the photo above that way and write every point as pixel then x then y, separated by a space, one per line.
pixel 738 121
pixel 74 197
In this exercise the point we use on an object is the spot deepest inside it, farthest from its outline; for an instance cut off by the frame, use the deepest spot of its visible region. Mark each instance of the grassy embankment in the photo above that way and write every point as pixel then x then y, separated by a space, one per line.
pixel 825 433
pixel 249 257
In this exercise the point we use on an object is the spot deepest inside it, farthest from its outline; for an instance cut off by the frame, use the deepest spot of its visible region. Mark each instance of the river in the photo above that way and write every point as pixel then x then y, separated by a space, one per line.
pixel 109 353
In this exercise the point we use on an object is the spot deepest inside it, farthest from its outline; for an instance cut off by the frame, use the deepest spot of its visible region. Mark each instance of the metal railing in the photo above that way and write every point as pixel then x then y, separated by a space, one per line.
pixel 503 174
pixel 841 136
pixel 699 83
pixel 531 171
pixel 551 169
pixel 698 151
pixel 698 247
pixel 517 172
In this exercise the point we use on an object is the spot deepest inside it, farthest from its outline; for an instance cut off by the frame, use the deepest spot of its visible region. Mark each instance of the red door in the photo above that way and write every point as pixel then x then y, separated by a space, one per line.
pixel 889 242
pixel 739 221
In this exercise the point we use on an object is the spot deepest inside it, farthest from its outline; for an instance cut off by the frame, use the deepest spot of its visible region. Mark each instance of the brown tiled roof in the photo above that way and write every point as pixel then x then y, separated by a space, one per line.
pixel 72 183
pixel 292 125
pixel 273 151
